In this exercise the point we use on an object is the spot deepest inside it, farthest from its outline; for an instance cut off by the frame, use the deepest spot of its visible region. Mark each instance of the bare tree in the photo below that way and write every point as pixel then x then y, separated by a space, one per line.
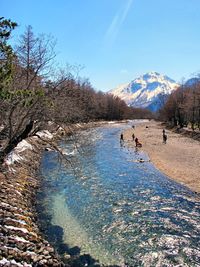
pixel 183 106
pixel 35 55
pixel 24 97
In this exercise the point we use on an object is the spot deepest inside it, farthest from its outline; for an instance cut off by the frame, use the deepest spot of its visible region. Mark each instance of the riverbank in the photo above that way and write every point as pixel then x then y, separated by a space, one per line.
pixel 22 243
pixel 178 158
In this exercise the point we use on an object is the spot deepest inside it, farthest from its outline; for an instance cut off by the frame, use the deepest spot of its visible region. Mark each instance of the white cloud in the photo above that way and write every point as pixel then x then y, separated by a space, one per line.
pixel 117 21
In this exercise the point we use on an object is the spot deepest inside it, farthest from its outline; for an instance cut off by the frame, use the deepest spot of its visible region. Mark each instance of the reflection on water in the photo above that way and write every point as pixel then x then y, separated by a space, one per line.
pixel 116 209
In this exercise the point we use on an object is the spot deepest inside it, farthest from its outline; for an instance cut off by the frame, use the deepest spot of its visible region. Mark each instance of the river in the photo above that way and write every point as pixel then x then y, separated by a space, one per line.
pixel 105 203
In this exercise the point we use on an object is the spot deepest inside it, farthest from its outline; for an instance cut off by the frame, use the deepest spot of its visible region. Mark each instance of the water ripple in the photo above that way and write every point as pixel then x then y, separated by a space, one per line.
pixel 118 210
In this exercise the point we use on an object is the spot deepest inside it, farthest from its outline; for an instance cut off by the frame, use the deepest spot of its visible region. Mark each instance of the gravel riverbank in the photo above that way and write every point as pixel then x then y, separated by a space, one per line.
pixel 21 243
pixel 179 158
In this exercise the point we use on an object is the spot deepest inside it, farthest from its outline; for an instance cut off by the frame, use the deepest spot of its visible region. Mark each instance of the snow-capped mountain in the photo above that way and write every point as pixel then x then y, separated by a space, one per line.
pixel 148 91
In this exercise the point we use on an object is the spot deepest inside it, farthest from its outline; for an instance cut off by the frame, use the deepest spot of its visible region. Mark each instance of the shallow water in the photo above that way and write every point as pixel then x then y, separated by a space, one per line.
pixel 116 209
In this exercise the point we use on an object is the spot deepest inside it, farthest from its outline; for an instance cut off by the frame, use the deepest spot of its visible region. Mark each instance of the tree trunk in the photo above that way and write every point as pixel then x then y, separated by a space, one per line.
pixel 15 141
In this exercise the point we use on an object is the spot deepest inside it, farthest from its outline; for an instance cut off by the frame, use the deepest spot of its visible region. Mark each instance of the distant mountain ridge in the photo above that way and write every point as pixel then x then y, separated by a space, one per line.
pixel 147 91
pixel 192 81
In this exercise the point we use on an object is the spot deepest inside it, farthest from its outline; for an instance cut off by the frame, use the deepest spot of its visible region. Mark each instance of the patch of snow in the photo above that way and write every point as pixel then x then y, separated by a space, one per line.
pixel 24 230
pixel 14 155
pixel 31 253
pixel 8 205
pixel 18 221
pixel 23 145
pixel 120 88
pixel 4 261
pixel 45 134
pixel 19 193
pixel 20 239
pixel 12 158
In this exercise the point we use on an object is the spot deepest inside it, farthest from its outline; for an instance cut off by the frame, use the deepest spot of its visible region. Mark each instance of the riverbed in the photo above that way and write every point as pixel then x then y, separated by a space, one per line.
pixel 104 202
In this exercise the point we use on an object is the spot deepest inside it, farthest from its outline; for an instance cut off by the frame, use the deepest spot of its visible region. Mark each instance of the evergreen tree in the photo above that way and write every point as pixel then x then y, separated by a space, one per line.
pixel 6 52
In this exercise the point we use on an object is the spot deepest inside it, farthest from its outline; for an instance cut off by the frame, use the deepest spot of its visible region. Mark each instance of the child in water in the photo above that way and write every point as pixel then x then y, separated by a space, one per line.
pixel 137 143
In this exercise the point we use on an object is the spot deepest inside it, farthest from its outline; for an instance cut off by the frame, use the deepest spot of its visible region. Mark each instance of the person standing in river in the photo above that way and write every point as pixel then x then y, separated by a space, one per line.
pixel 133 136
pixel 137 143
pixel 164 138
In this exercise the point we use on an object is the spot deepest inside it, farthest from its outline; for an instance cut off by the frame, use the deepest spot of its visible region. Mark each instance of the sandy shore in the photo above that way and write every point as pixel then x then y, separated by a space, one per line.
pixel 179 158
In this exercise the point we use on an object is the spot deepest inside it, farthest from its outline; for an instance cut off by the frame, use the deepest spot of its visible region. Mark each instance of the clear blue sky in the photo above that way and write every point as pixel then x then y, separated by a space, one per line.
pixel 116 40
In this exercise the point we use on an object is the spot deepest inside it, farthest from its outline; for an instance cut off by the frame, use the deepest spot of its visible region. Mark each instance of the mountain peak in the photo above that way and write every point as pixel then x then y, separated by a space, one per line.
pixel 151 74
pixel 146 90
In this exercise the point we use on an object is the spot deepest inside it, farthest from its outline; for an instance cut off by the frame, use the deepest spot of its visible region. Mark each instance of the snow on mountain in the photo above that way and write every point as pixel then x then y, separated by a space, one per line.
pixel 147 91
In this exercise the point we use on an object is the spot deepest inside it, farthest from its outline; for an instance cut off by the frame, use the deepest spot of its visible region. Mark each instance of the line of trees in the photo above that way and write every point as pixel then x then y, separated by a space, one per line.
pixel 34 92
pixel 183 106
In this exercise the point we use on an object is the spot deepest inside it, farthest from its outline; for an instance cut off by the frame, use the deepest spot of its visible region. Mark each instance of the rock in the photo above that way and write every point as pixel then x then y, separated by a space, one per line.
pixel 46 252
pixel 42 262
pixel 35 259
pixel 40 257
pixel 50 249
pixel 50 262
pixel 66 256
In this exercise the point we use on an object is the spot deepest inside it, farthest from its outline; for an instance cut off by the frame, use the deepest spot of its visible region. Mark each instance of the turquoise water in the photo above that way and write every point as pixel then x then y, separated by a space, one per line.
pixel 117 210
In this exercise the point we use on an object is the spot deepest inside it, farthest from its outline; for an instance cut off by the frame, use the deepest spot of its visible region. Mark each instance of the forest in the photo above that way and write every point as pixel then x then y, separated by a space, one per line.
pixel 182 107
pixel 34 91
